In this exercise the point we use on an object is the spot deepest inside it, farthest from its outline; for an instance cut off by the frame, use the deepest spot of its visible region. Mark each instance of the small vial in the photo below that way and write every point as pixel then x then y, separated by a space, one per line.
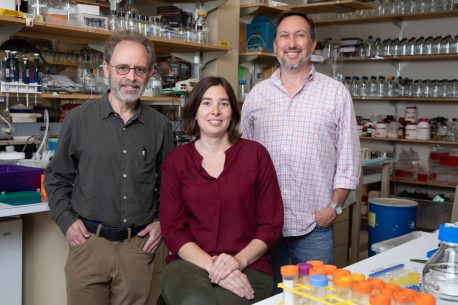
pixel 304 269
pixel 425 299
pixel 318 284
pixel 341 272
pixel 289 274
pixel 315 263
pixel 379 299
pixel 377 284
pixel 361 291
pixel 410 296
pixel 343 286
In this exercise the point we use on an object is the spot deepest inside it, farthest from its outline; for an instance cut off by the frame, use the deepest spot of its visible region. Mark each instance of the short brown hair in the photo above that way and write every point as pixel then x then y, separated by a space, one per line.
pixel 117 37
pixel 286 14
pixel 190 126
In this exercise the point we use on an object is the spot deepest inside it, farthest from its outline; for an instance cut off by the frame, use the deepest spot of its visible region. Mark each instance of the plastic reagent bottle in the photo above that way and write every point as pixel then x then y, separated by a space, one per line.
pixel 440 274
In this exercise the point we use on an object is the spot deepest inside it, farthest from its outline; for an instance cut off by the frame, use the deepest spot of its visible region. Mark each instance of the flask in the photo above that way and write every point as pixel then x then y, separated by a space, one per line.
pixel 201 27
pixel 440 274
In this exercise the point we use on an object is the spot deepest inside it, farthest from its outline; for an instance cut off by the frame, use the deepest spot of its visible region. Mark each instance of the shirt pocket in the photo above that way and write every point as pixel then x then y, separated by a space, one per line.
pixel 145 167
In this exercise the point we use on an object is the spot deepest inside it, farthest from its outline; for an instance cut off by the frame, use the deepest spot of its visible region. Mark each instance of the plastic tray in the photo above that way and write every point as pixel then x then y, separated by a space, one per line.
pixel 17 178
pixel 394 242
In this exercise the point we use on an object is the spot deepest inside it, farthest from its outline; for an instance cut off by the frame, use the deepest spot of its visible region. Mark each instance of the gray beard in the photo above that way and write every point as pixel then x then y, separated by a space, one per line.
pixel 294 66
pixel 126 97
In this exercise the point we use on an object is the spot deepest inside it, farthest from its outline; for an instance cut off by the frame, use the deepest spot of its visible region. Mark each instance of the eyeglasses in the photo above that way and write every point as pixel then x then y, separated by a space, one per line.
pixel 123 69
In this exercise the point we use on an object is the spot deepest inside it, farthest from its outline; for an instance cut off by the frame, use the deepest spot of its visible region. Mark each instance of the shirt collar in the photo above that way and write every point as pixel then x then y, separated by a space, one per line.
pixel 106 110
pixel 308 78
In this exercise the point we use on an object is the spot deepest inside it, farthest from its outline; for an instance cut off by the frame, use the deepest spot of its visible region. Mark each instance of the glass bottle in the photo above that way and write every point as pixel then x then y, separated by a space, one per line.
pixel 369 47
pixel 391 86
pixel 355 86
pixel 373 86
pixel 70 6
pixel 378 47
pixel 381 86
pixel 131 11
pixel 419 48
pixel 446 44
pixel 364 86
pixel 38 8
pixel 440 274
pixel 201 27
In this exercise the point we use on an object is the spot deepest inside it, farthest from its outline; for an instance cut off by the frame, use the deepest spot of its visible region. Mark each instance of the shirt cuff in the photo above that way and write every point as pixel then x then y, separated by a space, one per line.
pixel 65 220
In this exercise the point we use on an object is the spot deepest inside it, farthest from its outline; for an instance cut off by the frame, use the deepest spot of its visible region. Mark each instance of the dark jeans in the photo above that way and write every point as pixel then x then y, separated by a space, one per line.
pixel 316 245
pixel 183 283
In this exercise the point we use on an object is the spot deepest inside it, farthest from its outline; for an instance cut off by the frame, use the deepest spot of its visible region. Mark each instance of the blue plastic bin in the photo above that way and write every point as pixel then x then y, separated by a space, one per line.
pixel 17 178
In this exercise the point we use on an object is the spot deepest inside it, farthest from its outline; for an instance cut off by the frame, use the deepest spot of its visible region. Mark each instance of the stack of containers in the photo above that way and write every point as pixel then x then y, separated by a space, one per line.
pixel 341 284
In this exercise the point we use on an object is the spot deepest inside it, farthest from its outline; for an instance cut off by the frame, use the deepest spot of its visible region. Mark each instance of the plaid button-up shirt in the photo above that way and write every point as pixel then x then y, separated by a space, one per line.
pixel 313 141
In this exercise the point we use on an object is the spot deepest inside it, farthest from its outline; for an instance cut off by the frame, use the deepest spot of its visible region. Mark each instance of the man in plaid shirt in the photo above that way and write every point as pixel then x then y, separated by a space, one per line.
pixel 306 121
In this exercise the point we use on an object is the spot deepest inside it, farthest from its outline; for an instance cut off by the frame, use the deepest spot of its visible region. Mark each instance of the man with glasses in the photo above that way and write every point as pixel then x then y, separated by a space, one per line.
pixel 103 182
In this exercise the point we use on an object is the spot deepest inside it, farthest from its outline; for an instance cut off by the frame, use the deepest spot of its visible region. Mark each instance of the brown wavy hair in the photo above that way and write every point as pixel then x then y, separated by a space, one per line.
pixel 190 126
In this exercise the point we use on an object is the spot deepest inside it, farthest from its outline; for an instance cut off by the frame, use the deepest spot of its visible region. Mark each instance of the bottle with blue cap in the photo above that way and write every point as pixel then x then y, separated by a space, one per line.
pixel 318 283
pixel 440 274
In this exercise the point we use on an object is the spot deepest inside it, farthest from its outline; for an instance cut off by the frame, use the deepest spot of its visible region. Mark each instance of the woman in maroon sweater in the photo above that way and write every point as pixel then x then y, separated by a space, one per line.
pixel 221 209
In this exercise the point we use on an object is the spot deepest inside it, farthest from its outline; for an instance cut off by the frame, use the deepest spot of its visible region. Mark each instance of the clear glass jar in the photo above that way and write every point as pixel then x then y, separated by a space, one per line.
pixel 440 274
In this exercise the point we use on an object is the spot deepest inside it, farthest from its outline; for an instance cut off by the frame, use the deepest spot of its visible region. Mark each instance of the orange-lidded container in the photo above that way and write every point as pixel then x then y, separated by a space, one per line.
pixel 356 277
pixel 289 274
pixel 315 263
pixel 289 270
pixel 343 286
pixel 410 295
pixel 341 272
pixel 377 284
pixel 317 270
pixel 400 297
pixel 424 299
pixel 361 291
pixel 379 299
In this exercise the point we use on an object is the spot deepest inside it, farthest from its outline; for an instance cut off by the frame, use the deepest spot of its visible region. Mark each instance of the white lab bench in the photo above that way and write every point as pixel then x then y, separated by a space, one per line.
pixel 11 250
pixel 414 249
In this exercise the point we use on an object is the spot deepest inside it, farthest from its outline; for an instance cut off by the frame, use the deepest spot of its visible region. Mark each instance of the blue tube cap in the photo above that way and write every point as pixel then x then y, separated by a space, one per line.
pixel 318 280
pixel 448 232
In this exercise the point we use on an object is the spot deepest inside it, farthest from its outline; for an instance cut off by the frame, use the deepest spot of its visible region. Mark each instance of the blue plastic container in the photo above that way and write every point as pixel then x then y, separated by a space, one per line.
pixel 260 34
pixel 388 218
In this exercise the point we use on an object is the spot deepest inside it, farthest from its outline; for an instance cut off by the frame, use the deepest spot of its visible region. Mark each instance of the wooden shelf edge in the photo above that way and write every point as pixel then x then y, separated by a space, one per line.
pixel 426 183
pixel 395 17
pixel 406 99
pixel 410 141
pixel 433 57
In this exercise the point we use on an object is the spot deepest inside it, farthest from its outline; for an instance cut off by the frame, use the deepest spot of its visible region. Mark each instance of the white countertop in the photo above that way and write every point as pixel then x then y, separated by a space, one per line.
pixel 7 210
pixel 414 249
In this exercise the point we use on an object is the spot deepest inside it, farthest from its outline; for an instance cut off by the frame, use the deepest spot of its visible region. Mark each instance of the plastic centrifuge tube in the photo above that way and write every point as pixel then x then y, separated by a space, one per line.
pixel 329 273
pixel 361 290
pixel 356 277
pixel 289 274
pixel 315 263
pixel 318 284
pixel 343 286
pixel 379 299
pixel 377 284
pixel 304 269
pixel 425 299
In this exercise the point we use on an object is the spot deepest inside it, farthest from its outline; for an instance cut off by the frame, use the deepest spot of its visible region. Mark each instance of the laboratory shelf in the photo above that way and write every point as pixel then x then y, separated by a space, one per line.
pixel 406 99
pixel 426 183
pixel 410 141
pixel 260 9
pixel 435 57
pixel 93 2
pixel 97 36
pixel 392 18
pixel 331 6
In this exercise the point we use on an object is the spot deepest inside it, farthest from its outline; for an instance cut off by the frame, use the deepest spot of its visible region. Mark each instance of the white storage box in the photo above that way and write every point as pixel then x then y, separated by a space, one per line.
pixel 394 242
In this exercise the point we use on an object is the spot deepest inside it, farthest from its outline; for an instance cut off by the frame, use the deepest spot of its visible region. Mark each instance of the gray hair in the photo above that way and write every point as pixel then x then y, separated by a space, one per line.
pixel 118 37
